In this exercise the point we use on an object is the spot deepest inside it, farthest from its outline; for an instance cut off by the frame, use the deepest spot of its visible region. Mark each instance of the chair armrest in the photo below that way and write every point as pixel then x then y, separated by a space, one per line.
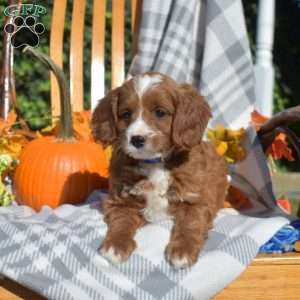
pixel 279 124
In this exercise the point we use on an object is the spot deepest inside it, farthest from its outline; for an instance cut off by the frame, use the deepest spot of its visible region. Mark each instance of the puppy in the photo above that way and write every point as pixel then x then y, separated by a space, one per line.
pixel 160 167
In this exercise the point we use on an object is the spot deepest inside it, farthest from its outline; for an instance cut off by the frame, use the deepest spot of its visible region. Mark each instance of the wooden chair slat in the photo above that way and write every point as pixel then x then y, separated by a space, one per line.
pixel 76 55
pixel 98 41
pixel 134 4
pixel 136 12
pixel 56 48
pixel 118 57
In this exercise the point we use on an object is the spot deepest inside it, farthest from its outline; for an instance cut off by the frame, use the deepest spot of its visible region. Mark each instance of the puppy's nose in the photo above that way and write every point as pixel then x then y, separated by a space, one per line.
pixel 137 141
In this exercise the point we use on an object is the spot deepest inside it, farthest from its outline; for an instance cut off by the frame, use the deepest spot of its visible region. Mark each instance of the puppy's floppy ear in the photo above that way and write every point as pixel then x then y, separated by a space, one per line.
pixel 104 119
pixel 191 117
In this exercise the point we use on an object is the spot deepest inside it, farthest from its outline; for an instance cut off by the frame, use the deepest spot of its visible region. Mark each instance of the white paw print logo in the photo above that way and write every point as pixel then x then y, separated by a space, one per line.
pixel 24 31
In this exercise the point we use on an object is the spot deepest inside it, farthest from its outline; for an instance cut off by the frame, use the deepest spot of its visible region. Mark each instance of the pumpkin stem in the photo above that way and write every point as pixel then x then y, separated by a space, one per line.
pixel 66 124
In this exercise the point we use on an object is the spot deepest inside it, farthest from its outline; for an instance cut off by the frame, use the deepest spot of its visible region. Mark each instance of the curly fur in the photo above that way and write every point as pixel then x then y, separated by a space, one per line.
pixel 188 185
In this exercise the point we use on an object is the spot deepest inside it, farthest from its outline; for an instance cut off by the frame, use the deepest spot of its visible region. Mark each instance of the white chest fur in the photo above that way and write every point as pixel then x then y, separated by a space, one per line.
pixel 156 199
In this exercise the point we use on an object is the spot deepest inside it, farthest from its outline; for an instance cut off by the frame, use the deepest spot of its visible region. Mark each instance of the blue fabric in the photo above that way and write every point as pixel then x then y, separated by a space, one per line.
pixel 283 240
pixel 296 224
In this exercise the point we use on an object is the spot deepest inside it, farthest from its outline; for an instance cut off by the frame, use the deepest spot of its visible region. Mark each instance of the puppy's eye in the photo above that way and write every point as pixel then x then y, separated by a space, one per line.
pixel 126 115
pixel 160 113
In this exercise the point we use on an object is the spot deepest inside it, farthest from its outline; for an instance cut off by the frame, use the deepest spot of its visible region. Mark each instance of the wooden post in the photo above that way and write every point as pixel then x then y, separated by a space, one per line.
pixel 7 84
pixel 7 80
pixel 264 71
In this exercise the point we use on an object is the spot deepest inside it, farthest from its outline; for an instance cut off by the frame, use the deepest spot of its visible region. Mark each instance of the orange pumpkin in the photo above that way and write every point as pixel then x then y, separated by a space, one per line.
pixel 52 172
pixel 57 170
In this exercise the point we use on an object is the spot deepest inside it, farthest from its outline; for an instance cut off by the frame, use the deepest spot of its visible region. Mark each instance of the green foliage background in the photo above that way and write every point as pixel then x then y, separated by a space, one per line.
pixel 32 81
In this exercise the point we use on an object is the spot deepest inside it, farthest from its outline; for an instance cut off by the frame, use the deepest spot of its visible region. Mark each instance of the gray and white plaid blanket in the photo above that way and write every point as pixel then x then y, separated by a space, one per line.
pixel 54 252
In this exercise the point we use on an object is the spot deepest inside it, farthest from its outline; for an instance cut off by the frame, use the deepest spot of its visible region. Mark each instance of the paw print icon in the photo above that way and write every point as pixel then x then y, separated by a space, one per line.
pixel 24 31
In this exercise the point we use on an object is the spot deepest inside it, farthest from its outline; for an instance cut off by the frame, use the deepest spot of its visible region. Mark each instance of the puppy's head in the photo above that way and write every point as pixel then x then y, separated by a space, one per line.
pixel 150 115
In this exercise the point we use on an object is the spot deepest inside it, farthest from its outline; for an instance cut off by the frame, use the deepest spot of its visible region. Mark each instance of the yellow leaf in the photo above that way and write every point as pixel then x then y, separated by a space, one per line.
pixel 12 144
pixel 108 152
pixel 14 148
pixel 235 134
pixel 222 148
pixel 11 119
pixel 211 135
pixel 228 142
pixel 50 130
pixel 220 132
pixel 81 125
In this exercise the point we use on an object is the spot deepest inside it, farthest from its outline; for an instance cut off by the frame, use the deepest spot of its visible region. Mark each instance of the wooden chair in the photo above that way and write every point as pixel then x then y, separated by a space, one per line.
pixel 269 276
pixel 97 51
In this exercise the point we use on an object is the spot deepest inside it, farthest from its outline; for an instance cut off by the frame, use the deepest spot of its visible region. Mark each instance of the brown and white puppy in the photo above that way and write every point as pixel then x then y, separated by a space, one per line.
pixel 160 167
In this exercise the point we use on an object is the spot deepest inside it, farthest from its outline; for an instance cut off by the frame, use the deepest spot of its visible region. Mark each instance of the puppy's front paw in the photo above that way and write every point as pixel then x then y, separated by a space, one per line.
pixel 117 251
pixel 141 188
pixel 111 255
pixel 181 255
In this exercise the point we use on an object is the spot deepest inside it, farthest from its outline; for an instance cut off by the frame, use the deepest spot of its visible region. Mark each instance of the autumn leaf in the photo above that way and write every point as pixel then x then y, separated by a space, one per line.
pixel 228 142
pixel 6 164
pixel 221 147
pixel 219 132
pixel 87 114
pixel 6 124
pixel 12 117
pixel 13 140
pixel 257 119
pixel 285 204
pixel 81 125
pixel 52 129
pixel 12 144
pixel 279 148
pixel 236 151
pixel 235 135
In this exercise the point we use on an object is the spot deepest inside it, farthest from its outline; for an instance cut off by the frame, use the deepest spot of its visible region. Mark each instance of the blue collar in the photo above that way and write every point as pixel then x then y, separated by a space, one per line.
pixel 152 161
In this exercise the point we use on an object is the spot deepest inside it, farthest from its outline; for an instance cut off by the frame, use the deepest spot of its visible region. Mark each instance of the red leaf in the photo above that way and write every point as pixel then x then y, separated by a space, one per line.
pixel 257 119
pixel 285 204
pixel 279 149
